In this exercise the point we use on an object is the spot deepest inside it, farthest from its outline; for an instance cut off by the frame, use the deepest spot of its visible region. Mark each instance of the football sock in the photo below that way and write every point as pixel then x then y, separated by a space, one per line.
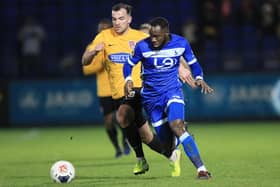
pixel 134 140
pixel 191 149
pixel 124 139
pixel 173 156
pixel 201 168
pixel 112 133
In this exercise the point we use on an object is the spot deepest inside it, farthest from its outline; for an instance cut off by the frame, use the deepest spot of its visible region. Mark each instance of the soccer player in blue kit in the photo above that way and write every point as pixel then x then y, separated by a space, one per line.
pixel 162 94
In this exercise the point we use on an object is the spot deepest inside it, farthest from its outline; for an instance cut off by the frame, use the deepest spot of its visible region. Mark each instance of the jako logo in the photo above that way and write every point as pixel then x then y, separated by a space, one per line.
pixel 69 99
pixel 119 57
pixel 29 100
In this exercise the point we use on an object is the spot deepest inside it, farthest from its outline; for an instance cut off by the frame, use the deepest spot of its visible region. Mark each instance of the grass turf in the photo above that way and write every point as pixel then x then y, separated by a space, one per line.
pixel 237 154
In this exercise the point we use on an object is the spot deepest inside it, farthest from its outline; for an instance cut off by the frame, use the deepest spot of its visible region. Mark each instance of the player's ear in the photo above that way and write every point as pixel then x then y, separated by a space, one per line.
pixel 129 19
pixel 166 32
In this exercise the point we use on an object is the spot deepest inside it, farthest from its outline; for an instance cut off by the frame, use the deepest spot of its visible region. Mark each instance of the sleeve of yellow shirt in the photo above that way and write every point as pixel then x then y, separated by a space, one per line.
pixel 94 67
pixel 97 62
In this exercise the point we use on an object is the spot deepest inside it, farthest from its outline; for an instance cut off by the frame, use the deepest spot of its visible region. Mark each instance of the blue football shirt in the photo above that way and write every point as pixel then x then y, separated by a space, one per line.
pixel 160 67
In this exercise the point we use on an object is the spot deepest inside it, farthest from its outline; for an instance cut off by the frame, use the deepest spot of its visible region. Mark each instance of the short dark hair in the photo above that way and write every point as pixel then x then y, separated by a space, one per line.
pixel 119 6
pixel 160 21
pixel 145 26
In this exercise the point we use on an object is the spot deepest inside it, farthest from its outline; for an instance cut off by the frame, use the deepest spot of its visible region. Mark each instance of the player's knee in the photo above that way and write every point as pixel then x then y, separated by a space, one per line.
pixel 146 138
pixel 178 127
pixel 125 115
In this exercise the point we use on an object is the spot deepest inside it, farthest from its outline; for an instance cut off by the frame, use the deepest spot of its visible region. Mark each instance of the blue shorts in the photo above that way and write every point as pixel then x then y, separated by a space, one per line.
pixel 163 109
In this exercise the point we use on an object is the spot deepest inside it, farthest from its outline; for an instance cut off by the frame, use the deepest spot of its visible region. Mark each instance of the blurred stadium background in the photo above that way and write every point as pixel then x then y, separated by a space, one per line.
pixel 236 42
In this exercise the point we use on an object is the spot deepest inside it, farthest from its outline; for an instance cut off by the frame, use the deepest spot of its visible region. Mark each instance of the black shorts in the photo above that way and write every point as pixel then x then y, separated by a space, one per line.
pixel 136 104
pixel 107 105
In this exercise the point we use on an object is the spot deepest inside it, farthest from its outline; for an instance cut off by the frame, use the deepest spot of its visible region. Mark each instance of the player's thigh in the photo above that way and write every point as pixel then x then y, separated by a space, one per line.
pixel 164 133
pixel 136 104
pixel 160 123
pixel 176 110
pixel 107 105
pixel 108 110
pixel 176 116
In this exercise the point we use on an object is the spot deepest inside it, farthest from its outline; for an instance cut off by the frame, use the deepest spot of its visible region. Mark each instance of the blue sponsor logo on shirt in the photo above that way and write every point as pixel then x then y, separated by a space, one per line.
pixel 119 57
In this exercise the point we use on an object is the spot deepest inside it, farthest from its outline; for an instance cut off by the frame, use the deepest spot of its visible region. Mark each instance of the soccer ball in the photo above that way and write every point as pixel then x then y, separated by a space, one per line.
pixel 62 171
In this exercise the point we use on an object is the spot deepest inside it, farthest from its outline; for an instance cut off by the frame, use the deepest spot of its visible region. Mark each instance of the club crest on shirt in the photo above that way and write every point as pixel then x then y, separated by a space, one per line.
pixel 131 44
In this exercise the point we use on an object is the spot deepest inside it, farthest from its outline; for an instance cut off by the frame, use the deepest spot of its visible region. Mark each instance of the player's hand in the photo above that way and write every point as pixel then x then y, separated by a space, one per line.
pixel 90 54
pixel 205 88
pixel 99 47
pixel 186 77
pixel 128 89
pixel 132 44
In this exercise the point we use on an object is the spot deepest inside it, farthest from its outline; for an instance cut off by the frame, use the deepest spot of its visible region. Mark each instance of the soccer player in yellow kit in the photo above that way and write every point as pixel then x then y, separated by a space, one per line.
pixel 113 46
pixel 106 101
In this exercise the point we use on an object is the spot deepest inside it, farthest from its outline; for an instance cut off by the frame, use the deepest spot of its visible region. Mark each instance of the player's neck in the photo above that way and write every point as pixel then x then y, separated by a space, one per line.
pixel 167 39
pixel 122 33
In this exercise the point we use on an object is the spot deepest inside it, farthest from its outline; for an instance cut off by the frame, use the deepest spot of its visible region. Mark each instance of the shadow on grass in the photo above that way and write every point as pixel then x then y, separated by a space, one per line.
pixel 104 164
pixel 25 177
pixel 116 180
pixel 26 162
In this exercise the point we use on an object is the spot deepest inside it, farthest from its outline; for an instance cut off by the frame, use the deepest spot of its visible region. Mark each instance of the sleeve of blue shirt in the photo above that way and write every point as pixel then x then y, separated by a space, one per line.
pixel 132 61
pixel 193 63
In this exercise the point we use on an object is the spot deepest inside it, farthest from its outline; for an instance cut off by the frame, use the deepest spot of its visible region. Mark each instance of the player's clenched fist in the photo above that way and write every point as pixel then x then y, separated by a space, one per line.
pixel 90 54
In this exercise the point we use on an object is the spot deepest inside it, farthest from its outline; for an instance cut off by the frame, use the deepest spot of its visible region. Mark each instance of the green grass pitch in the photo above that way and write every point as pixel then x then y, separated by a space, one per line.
pixel 237 154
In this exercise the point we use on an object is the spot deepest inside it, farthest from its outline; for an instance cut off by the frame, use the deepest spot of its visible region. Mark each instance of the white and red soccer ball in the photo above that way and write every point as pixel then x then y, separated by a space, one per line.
pixel 62 172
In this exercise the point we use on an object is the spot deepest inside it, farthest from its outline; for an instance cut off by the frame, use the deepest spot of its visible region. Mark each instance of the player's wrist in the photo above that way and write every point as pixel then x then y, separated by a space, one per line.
pixel 198 78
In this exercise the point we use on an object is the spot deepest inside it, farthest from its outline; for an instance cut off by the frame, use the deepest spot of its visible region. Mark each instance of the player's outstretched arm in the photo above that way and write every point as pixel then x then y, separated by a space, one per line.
pixel 205 88
pixel 128 86
pixel 185 73
pixel 90 54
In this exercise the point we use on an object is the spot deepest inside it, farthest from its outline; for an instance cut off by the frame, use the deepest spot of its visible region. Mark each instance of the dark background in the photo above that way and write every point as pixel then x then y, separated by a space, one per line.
pixel 230 35
pixel 235 41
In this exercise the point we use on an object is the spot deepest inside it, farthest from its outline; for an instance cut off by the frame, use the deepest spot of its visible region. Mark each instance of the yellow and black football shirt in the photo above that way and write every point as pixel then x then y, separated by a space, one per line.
pixel 102 79
pixel 117 48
